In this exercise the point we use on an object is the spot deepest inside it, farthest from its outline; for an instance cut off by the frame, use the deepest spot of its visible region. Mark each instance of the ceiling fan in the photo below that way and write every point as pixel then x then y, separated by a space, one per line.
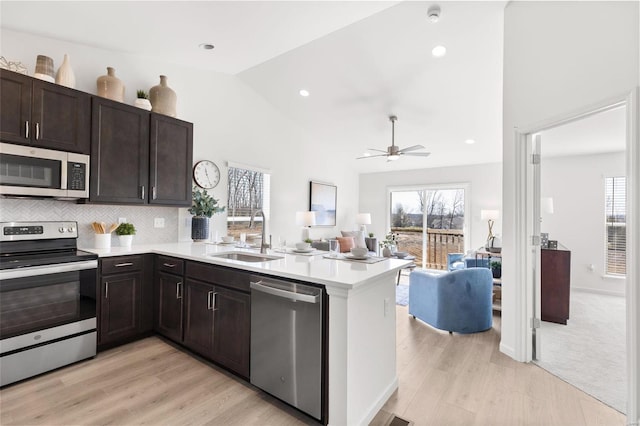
pixel 393 152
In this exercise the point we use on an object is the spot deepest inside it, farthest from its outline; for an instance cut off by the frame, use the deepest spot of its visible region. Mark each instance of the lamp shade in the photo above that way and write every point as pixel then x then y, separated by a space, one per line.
pixel 306 218
pixel 546 204
pixel 489 214
pixel 363 219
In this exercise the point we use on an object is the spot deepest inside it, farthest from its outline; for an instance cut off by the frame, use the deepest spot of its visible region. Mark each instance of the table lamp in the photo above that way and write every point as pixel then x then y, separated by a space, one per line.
pixel 305 219
pixel 363 219
pixel 490 216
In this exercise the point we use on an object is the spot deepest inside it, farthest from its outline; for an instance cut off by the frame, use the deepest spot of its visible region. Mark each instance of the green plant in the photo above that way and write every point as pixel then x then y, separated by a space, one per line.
pixel 126 229
pixel 308 240
pixel 391 239
pixel 142 94
pixel 371 235
pixel 203 204
pixel 495 264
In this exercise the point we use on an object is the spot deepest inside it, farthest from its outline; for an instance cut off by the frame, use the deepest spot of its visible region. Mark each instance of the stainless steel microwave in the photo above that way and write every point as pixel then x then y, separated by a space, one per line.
pixel 39 172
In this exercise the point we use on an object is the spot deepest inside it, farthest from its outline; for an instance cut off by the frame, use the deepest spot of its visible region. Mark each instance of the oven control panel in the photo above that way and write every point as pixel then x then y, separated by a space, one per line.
pixel 18 231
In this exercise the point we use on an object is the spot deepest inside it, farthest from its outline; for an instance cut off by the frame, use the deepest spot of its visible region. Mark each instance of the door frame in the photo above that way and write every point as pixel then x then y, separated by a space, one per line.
pixel 524 216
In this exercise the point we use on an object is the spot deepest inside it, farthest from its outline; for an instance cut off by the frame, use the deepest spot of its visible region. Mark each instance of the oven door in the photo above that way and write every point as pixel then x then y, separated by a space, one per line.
pixel 38 298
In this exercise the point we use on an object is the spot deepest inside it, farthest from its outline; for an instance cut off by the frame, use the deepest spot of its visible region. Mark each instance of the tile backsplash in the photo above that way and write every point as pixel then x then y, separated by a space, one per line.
pixel 142 218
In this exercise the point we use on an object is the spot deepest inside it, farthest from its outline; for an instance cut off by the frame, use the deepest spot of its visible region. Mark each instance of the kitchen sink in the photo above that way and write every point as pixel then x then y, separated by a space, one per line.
pixel 246 257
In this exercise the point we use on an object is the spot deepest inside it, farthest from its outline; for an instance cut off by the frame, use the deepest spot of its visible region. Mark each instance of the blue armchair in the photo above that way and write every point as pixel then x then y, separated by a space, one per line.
pixel 459 301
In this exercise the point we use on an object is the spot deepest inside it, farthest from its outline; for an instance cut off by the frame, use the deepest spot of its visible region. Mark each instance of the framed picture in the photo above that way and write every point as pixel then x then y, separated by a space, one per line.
pixel 322 200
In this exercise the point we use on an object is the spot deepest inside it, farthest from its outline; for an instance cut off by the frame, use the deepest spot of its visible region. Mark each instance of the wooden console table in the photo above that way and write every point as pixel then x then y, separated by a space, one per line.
pixel 555 284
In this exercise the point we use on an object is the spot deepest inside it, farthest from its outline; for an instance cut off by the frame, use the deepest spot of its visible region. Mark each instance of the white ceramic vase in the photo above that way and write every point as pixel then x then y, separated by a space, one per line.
pixel 143 103
pixel 65 76
pixel 125 240
pixel 110 86
pixel 163 98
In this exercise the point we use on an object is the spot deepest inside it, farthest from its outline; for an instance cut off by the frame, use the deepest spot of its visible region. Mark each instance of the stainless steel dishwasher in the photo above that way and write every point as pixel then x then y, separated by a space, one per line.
pixel 286 342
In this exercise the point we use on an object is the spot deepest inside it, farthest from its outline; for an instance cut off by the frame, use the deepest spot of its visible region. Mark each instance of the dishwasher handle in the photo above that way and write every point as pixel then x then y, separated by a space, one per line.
pixel 297 297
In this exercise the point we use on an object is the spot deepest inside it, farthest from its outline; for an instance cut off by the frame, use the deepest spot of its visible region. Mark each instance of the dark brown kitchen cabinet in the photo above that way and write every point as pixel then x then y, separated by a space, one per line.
pixel 232 328
pixel 199 317
pixel 169 293
pixel 555 285
pixel 171 155
pixel 119 153
pixel 125 298
pixel 38 113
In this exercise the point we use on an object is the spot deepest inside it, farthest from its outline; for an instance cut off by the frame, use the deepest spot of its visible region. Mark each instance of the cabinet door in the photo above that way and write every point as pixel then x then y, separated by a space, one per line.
pixel 15 107
pixel 119 153
pixel 171 160
pixel 119 306
pixel 61 118
pixel 232 329
pixel 169 304
pixel 198 325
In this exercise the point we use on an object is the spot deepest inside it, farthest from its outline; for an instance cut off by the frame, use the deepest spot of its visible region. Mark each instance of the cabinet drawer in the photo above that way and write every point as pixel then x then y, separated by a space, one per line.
pixel 170 265
pixel 120 264
pixel 218 276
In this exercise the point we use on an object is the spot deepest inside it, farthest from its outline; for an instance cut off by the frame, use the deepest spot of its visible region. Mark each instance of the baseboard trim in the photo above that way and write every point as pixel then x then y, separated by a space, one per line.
pixel 598 291
pixel 508 351
pixel 377 406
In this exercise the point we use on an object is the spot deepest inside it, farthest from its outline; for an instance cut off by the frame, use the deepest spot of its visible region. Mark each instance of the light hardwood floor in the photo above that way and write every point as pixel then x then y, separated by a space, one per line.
pixel 444 380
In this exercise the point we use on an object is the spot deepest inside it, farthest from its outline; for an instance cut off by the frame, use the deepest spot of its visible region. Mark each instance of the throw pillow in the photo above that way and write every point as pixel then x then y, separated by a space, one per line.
pixel 358 237
pixel 346 244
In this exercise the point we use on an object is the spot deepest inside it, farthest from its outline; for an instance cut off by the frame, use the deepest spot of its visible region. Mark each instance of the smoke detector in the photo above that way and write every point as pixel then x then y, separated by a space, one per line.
pixel 433 13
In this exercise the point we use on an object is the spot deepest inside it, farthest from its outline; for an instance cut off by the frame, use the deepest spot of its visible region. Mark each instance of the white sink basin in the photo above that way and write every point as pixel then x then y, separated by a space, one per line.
pixel 246 257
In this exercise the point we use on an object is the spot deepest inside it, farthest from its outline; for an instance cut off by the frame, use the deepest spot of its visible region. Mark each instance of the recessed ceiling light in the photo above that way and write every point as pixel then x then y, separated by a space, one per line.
pixel 206 46
pixel 433 13
pixel 439 51
pixel 304 93
pixel 470 141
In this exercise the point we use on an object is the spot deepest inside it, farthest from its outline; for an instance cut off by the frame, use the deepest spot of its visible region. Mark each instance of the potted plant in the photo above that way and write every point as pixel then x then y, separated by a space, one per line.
pixel 142 100
pixel 371 242
pixel 389 244
pixel 203 206
pixel 125 232
pixel 496 269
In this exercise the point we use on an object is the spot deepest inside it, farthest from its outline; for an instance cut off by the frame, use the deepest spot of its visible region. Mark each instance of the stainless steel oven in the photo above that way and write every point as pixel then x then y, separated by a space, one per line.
pixel 47 299
pixel 39 172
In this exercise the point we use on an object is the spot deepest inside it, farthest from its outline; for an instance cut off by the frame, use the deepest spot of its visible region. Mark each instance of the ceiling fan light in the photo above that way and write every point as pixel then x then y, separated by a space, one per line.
pixel 393 157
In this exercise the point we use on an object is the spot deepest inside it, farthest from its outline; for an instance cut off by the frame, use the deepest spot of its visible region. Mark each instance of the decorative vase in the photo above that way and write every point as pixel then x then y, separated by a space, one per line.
pixel 143 103
pixel 125 240
pixel 163 98
pixel 110 86
pixel 199 228
pixel 65 75
pixel 371 243
pixel 386 252
pixel 44 69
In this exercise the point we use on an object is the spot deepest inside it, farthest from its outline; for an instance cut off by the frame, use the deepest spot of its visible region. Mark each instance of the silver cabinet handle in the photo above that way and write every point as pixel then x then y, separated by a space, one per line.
pixel 106 289
pixel 26 129
pixel 37 130
pixel 120 265
pixel 179 290
pixel 210 300
pixel 142 191
pixel 153 192
pixel 169 265
pixel 214 301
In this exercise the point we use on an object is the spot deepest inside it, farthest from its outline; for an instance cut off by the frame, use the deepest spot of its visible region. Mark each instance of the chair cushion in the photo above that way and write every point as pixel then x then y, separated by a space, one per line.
pixel 358 237
pixel 346 244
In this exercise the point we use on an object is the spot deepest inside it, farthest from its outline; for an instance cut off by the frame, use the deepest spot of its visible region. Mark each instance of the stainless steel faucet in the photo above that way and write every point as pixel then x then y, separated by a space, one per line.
pixel 263 244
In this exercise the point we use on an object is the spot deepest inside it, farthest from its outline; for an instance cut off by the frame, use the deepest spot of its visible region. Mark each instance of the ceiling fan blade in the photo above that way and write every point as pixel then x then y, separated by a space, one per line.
pixel 377 150
pixel 371 156
pixel 417 154
pixel 412 148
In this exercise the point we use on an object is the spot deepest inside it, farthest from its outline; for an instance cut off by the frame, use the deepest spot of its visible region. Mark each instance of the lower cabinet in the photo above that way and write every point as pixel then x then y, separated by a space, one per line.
pixel 205 315
pixel 125 296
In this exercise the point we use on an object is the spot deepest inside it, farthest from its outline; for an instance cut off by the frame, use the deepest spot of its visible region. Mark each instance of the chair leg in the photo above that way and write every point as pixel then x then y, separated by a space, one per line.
pixel 451 332
pixel 398 281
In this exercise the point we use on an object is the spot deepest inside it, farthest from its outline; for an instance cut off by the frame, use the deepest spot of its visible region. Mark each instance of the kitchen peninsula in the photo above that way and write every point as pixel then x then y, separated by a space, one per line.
pixel 361 317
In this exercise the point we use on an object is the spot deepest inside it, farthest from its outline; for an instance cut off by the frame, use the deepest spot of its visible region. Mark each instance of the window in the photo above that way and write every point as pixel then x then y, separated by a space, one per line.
pixel 430 223
pixel 615 222
pixel 248 192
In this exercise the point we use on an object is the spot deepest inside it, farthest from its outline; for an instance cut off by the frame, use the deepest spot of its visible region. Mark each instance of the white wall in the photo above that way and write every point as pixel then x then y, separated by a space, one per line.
pixel 576 185
pixel 559 57
pixel 231 123
pixel 485 193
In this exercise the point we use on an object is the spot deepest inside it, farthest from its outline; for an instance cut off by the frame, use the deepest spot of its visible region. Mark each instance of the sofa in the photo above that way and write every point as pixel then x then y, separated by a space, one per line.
pixel 459 301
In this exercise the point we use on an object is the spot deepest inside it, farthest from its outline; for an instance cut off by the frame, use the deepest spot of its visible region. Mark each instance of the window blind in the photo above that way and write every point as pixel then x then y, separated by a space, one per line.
pixel 615 222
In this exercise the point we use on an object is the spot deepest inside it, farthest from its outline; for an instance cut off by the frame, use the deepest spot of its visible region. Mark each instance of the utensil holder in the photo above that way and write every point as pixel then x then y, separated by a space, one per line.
pixel 102 241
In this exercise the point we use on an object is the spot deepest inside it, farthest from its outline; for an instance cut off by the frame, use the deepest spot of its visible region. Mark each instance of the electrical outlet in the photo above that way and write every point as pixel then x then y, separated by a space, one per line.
pixel 158 222
pixel 122 220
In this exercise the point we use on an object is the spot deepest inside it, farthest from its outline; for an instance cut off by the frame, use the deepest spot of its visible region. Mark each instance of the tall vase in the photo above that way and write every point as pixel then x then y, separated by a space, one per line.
pixel 110 86
pixel 163 98
pixel 65 75
pixel 199 228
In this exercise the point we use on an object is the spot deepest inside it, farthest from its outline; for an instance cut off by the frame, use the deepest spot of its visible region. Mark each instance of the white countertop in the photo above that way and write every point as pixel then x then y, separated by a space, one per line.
pixel 317 269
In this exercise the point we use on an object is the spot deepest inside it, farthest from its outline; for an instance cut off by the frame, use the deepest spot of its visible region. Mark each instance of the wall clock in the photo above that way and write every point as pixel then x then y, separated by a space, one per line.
pixel 206 174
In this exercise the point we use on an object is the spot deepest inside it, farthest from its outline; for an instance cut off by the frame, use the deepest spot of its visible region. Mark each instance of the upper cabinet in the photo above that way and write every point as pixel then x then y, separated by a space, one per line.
pixel 42 114
pixel 133 163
